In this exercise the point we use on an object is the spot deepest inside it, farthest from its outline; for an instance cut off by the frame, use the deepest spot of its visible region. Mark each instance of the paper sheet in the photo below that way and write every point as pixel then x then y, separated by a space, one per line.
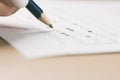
pixel 79 28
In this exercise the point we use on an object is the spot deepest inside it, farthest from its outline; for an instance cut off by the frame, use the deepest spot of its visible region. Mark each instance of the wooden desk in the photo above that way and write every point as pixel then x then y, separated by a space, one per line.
pixel 13 66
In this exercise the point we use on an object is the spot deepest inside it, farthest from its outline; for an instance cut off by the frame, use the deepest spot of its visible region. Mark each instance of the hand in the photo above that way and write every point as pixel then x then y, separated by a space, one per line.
pixel 7 8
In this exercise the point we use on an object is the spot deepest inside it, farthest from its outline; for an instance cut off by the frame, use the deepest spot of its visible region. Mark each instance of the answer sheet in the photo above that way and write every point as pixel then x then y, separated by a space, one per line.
pixel 79 28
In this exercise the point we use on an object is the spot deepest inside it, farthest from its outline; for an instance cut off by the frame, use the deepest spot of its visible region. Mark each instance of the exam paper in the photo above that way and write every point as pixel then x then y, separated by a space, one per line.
pixel 79 28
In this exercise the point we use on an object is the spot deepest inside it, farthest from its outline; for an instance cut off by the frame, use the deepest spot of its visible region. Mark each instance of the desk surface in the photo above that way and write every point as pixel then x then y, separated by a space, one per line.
pixel 13 66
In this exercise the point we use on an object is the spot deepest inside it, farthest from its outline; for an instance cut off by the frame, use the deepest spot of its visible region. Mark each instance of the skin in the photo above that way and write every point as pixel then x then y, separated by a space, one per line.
pixel 7 8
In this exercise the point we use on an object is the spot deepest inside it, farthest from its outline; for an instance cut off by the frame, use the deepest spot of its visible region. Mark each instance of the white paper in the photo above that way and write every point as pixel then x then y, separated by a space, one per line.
pixel 79 28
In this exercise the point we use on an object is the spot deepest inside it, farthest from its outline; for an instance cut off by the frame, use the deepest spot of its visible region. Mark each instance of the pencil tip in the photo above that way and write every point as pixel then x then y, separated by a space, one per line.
pixel 51 26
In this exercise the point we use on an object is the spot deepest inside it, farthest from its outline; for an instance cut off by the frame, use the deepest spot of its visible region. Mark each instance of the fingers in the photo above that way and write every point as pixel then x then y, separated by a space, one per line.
pixel 7 8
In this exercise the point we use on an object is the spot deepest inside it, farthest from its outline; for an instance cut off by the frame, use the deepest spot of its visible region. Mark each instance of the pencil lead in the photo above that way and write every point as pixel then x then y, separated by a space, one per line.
pixel 51 26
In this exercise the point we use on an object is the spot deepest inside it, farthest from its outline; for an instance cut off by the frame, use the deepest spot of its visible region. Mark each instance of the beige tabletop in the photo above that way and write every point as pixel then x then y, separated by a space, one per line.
pixel 13 66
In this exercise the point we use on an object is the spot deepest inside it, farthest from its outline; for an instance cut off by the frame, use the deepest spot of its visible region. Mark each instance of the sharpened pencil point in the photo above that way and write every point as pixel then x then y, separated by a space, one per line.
pixel 38 13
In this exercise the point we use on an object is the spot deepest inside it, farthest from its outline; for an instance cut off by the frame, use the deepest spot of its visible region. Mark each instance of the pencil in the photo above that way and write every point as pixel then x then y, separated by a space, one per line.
pixel 38 13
